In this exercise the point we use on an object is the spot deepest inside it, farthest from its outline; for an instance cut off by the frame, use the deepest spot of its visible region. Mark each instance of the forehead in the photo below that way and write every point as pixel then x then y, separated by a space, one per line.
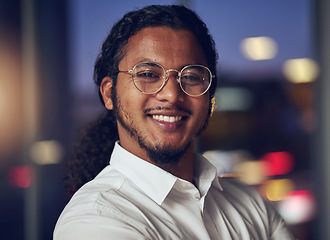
pixel 165 46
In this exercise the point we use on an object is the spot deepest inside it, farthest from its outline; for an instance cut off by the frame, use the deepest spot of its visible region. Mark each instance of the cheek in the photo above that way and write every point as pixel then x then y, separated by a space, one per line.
pixel 125 93
pixel 203 106
pixel 132 101
pixel 203 110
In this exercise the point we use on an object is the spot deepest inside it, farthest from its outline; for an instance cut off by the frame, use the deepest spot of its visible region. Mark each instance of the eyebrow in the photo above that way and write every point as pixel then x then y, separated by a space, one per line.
pixel 180 67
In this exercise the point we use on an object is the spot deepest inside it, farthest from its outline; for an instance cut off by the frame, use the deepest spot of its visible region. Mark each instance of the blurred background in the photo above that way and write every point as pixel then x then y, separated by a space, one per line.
pixel 269 128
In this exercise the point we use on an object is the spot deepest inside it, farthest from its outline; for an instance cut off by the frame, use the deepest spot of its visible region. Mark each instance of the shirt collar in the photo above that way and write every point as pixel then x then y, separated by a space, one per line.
pixel 156 182
pixel 205 175
pixel 152 180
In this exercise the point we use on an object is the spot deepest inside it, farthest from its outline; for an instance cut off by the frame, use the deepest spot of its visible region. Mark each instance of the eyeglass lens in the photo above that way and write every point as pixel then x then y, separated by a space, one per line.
pixel 150 77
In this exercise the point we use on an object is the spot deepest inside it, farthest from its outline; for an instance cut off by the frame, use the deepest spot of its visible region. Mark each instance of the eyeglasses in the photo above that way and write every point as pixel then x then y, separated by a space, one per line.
pixel 150 78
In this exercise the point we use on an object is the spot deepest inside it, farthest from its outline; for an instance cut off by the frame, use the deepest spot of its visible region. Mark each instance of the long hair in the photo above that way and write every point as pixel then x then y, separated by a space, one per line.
pixel 93 150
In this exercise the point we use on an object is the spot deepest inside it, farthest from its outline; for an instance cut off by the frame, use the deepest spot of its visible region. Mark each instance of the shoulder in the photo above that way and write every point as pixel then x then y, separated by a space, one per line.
pixel 251 205
pixel 231 186
pixel 243 198
pixel 99 208
pixel 87 197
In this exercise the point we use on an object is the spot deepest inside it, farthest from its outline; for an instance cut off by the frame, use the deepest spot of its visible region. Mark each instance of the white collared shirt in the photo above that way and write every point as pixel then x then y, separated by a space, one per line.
pixel 133 199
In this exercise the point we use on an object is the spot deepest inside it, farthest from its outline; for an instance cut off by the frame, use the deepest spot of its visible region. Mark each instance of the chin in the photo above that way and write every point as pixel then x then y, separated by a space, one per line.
pixel 168 155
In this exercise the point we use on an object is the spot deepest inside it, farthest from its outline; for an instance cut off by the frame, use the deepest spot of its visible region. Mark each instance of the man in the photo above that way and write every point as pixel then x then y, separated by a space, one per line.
pixel 156 76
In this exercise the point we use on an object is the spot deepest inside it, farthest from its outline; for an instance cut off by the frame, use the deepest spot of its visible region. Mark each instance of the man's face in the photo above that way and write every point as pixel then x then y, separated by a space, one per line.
pixel 160 127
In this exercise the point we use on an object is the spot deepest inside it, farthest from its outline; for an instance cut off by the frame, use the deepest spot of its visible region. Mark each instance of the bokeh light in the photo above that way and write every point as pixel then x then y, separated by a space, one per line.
pixel 250 172
pixel 46 152
pixel 11 118
pixel 277 163
pixel 301 70
pixel 298 207
pixel 259 48
pixel 233 99
pixel 20 176
pixel 277 189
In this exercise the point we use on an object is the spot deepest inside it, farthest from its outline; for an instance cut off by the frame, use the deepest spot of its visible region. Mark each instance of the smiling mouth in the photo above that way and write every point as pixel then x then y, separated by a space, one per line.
pixel 168 115
pixel 170 119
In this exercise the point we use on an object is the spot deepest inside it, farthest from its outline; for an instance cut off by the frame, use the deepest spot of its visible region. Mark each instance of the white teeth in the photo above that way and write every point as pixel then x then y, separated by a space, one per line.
pixel 167 118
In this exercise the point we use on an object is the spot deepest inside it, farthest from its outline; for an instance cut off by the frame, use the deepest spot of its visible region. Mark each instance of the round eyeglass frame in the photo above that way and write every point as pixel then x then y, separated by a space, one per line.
pixel 166 78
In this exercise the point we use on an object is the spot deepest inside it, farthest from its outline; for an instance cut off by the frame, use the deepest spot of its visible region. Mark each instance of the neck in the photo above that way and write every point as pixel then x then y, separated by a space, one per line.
pixel 185 167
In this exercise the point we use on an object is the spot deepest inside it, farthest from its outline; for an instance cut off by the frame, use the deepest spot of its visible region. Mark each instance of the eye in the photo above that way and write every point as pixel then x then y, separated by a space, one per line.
pixel 147 76
pixel 191 79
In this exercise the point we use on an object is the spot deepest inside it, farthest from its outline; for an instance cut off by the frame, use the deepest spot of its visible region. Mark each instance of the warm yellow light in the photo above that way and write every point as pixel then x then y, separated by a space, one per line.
pixel 250 172
pixel 46 152
pixel 276 190
pixel 2 99
pixel 11 109
pixel 259 48
pixel 301 70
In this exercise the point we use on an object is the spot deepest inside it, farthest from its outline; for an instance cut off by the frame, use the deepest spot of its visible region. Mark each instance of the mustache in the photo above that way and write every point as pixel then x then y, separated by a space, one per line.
pixel 181 109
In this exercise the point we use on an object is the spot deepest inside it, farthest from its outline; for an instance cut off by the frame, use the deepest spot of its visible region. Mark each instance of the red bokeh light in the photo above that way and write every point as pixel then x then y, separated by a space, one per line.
pixel 277 163
pixel 20 176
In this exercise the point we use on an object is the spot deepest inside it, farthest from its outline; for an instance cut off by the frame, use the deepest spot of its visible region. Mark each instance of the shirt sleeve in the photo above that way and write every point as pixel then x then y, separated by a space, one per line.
pixel 267 221
pixel 98 228
pixel 278 228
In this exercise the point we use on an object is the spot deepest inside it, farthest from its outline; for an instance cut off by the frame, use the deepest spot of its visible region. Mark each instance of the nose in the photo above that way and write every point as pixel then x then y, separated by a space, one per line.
pixel 171 90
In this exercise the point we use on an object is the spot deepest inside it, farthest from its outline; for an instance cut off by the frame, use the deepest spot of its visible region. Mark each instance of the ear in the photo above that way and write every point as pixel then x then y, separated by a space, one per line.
pixel 105 90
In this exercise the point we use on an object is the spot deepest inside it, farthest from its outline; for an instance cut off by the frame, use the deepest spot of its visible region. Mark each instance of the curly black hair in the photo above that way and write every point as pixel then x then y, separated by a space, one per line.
pixel 93 150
